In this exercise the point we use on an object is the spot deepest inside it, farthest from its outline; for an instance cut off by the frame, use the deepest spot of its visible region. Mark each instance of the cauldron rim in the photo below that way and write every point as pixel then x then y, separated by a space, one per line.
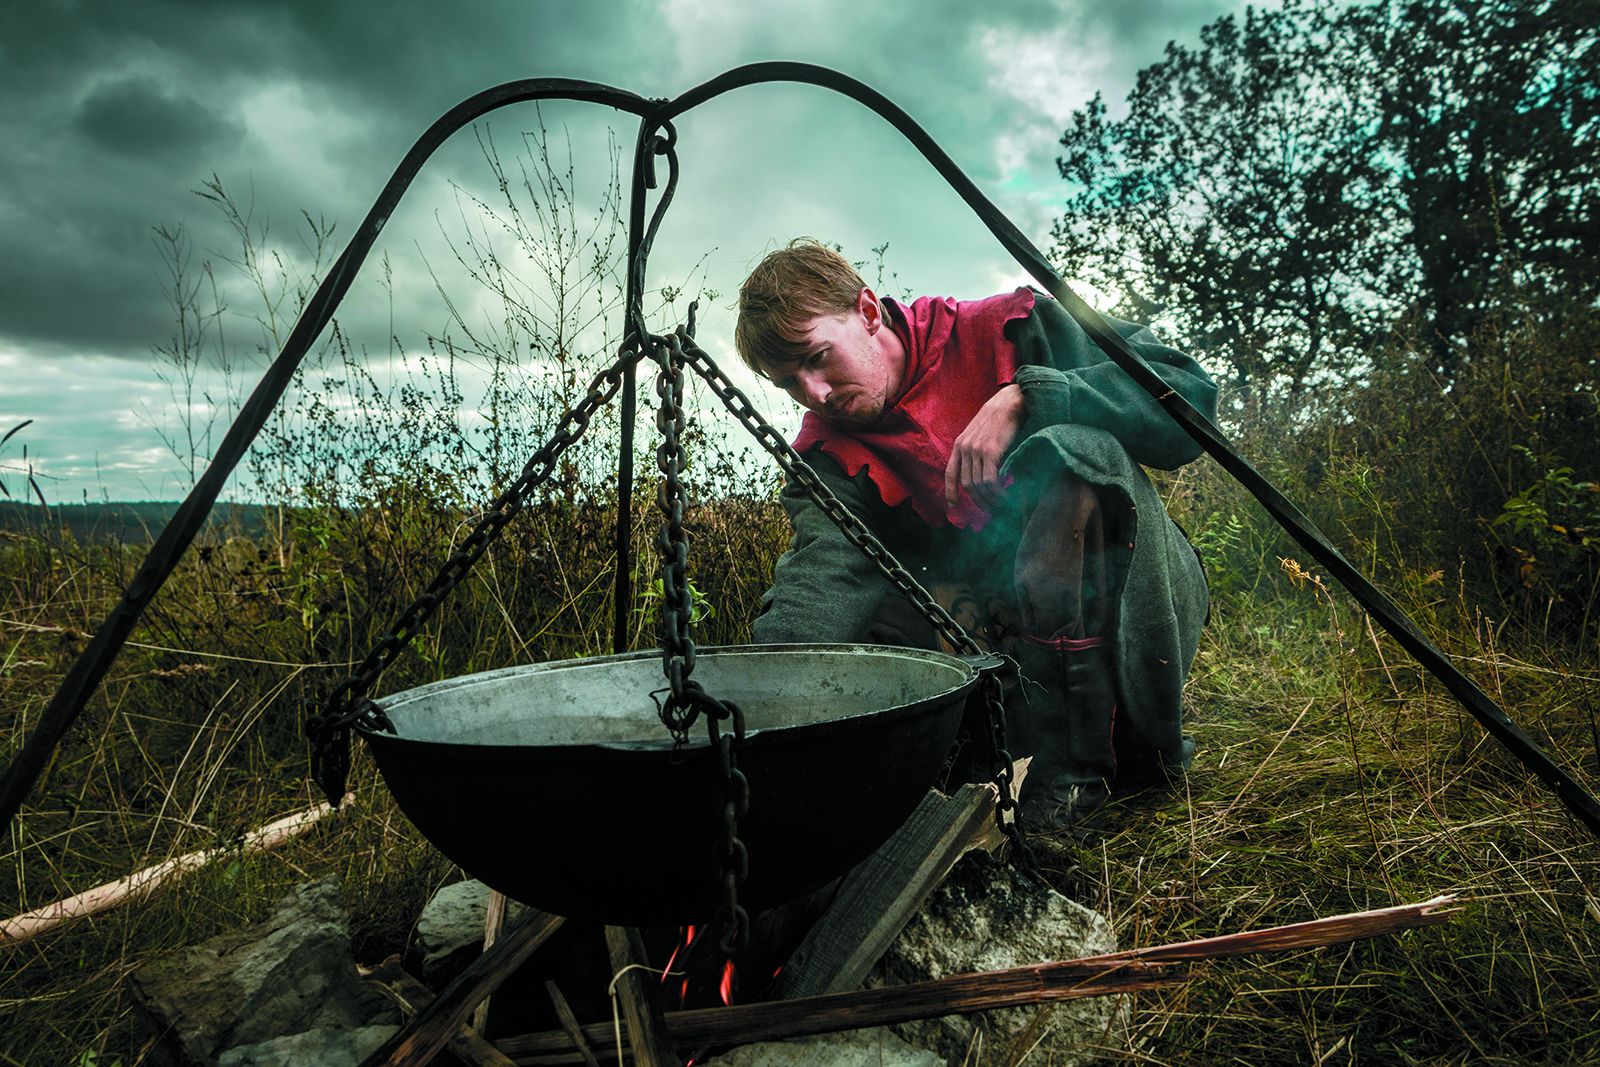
pixel 864 719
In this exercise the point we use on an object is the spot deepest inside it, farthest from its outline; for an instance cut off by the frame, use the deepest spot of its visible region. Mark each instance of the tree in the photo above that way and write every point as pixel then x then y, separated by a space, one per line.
pixel 1491 119
pixel 1303 181
pixel 1232 202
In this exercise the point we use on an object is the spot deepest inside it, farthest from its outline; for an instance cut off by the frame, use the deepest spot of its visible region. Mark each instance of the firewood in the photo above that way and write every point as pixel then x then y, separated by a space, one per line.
pixel 782 1019
pixel 881 894
pixel 493 921
pixel 466 1044
pixel 639 999
pixel 421 1039
pixel 1041 983
pixel 1312 933
pixel 569 1023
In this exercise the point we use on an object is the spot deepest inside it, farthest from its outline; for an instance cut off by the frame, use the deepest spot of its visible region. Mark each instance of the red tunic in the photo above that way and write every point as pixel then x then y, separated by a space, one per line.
pixel 957 356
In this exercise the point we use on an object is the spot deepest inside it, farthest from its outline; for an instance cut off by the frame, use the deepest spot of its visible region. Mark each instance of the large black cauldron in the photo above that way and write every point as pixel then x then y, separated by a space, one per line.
pixel 556 783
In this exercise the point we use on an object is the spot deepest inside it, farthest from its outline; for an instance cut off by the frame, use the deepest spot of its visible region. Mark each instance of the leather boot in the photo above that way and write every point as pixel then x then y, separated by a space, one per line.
pixel 1069 733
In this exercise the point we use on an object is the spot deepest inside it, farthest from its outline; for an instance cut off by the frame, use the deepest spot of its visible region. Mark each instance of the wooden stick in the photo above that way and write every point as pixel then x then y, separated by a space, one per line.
pixel 1352 926
pixel 782 1019
pixel 647 1028
pixel 1018 986
pixel 569 1023
pixel 466 1044
pixel 32 923
pixel 494 919
pixel 421 1039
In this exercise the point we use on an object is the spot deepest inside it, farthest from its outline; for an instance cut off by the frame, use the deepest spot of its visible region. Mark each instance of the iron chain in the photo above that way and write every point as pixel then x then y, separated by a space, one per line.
pixel 686 700
pixel 854 530
pixel 857 533
pixel 1000 772
pixel 348 705
pixel 677 602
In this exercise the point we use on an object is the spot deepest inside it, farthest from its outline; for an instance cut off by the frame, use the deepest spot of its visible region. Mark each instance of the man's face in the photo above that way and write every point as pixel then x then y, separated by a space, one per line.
pixel 852 366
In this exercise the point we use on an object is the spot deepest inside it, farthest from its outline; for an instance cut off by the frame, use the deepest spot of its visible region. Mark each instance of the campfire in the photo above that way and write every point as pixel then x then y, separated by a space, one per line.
pixel 680 1000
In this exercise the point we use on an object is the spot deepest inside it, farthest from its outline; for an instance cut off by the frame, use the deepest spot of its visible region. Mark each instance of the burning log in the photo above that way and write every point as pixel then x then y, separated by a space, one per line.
pixel 698 972
pixel 1117 972
pixel 831 939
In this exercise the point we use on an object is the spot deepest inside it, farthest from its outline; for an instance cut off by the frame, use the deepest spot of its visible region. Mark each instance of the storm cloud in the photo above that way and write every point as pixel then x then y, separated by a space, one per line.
pixel 115 114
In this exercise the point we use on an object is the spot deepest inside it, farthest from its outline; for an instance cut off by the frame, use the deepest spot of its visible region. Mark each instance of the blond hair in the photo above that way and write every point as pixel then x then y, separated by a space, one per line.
pixel 790 286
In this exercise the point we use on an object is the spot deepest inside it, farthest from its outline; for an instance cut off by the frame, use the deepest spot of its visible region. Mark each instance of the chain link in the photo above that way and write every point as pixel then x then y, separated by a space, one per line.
pixel 857 533
pixel 672 544
pixel 348 705
pixel 1005 810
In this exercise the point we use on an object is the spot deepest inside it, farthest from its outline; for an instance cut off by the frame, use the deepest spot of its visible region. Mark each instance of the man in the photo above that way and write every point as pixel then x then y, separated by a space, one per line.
pixel 996 450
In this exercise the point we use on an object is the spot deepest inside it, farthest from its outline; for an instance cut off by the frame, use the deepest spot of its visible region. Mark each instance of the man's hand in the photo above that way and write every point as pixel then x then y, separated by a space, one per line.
pixel 975 459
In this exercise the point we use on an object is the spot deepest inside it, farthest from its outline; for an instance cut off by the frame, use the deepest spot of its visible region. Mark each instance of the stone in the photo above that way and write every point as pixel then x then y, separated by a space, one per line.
pixel 987 916
pixel 877 1047
pixel 289 975
pixel 450 930
pixel 324 1045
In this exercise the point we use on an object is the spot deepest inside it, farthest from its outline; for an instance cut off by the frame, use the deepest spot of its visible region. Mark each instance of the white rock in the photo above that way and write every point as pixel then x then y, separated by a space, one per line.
pixel 858 1048
pixel 288 975
pixel 450 930
pixel 325 1047
pixel 989 917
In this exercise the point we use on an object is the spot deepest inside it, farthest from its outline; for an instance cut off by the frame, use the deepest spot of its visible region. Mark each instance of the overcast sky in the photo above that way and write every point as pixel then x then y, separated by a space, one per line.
pixel 113 114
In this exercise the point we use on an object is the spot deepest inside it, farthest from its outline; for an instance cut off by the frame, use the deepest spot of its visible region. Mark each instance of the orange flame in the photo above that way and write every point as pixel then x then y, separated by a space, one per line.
pixel 726 986
pixel 683 943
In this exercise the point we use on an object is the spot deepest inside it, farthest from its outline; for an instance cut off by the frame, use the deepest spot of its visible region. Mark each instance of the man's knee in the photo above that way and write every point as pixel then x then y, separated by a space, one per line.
pixel 1072 554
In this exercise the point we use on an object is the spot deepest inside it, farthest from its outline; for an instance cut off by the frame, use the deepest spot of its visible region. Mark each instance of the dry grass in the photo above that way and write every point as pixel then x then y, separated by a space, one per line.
pixel 196 736
pixel 1332 778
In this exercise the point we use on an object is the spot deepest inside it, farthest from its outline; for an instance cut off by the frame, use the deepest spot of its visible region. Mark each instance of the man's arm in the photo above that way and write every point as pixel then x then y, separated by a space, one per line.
pixel 823 588
pixel 1066 377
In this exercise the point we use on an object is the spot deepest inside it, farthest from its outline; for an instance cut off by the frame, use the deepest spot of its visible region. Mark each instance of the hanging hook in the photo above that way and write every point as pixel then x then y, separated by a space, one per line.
pixel 663 138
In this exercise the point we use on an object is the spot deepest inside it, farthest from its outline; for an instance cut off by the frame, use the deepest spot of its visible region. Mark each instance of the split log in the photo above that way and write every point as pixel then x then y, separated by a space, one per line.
pixel 421 1039
pixel 467 1044
pixel 639 998
pixel 882 893
pixel 1042 983
pixel 136 885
